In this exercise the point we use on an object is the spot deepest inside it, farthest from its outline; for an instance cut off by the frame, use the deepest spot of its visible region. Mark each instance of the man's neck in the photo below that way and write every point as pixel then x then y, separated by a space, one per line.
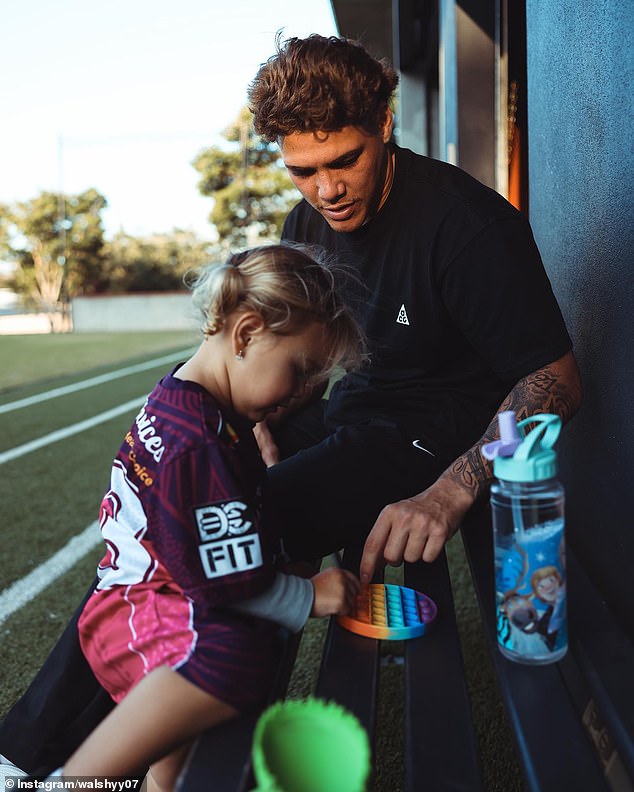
pixel 388 181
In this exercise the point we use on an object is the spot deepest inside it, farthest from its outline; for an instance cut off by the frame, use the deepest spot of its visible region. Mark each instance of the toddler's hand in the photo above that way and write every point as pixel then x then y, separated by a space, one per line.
pixel 335 592
pixel 268 449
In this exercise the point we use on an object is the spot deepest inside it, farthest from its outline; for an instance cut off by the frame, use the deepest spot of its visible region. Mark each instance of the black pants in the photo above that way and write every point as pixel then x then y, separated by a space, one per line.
pixel 331 491
pixel 326 495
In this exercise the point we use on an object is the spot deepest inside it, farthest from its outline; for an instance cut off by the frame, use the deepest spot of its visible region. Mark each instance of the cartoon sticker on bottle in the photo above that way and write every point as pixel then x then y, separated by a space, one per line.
pixel 531 593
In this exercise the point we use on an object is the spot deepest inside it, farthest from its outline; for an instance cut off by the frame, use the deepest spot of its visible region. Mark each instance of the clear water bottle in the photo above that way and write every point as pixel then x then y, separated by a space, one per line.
pixel 527 503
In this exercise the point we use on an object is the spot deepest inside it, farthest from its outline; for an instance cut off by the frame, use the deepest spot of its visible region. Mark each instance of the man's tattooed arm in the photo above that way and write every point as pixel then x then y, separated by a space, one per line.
pixel 418 527
pixel 555 388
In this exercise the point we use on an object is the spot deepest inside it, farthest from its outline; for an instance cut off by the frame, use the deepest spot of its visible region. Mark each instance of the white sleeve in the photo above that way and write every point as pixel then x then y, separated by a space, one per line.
pixel 288 602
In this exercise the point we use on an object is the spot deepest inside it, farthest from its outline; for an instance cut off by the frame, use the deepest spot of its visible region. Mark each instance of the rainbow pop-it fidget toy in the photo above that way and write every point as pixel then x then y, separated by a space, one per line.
pixel 390 612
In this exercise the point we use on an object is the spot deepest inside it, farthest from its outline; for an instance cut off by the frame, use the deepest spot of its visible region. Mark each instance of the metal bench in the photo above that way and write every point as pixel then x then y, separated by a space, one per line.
pixel 572 721
pixel 440 745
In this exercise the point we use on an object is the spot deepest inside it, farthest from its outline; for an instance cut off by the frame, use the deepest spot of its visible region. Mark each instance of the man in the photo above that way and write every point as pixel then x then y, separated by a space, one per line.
pixel 460 316
pixel 461 323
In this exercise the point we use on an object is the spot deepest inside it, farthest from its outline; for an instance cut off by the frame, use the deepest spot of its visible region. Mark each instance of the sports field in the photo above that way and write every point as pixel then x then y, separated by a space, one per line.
pixel 65 403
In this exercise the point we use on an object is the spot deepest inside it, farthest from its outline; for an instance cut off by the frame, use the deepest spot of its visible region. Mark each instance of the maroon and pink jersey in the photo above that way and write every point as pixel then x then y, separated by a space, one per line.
pixel 185 501
pixel 182 523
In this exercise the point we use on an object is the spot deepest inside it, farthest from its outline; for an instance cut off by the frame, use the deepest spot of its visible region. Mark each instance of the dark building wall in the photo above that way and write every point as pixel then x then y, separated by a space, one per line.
pixel 475 31
pixel 580 98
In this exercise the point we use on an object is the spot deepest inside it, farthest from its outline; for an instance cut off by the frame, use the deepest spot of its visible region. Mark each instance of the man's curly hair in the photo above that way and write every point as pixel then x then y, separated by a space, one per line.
pixel 320 84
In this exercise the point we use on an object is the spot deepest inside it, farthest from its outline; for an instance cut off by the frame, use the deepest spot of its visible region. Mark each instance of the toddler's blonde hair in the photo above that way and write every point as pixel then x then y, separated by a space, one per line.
pixel 288 286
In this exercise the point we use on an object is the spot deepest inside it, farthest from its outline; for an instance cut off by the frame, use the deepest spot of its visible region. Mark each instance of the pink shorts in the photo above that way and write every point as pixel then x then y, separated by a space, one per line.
pixel 127 631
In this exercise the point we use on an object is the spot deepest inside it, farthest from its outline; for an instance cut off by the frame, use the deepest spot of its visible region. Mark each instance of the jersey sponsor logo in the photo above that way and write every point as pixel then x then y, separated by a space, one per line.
pixel 140 470
pixel 224 518
pixel 402 316
pixel 225 548
pixel 236 554
pixel 147 434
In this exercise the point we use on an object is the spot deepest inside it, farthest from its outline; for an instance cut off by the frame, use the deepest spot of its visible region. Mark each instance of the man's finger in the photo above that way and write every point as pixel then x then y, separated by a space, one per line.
pixel 416 548
pixel 397 544
pixel 433 548
pixel 373 549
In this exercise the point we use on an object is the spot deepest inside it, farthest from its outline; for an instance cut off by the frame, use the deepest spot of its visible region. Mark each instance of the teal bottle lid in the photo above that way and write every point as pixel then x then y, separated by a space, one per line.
pixel 523 455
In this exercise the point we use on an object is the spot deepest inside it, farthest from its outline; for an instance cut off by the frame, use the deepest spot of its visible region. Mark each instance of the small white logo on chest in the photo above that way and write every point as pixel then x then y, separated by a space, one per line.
pixel 402 316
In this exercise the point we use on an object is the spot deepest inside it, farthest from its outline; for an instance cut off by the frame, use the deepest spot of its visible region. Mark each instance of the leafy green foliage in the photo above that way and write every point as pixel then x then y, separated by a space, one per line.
pixel 251 189
pixel 57 243
pixel 156 263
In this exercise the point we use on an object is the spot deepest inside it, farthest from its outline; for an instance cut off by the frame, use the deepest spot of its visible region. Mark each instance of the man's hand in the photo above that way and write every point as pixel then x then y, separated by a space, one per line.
pixel 417 527
pixel 268 449
pixel 335 592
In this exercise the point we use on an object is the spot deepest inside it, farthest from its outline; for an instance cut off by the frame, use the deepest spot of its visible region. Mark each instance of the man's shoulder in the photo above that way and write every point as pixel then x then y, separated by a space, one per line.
pixel 450 188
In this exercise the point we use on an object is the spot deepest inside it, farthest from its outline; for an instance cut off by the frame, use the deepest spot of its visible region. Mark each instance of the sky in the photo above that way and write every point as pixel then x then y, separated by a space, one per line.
pixel 122 95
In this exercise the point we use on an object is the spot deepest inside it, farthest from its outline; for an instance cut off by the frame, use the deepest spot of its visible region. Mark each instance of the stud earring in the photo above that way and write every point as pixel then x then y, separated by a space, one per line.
pixel 240 355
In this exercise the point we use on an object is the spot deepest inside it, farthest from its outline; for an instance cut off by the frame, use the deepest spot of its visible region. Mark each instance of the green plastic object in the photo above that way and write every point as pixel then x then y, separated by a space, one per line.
pixel 310 746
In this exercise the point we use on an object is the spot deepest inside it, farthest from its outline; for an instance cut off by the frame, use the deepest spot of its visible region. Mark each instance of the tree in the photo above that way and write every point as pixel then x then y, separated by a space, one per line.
pixel 156 263
pixel 57 242
pixel 251 189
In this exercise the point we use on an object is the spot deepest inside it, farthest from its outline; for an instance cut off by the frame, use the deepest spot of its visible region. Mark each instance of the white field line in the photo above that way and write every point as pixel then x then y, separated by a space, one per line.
pixel 68 431
pixel 90 383
pixel 27 588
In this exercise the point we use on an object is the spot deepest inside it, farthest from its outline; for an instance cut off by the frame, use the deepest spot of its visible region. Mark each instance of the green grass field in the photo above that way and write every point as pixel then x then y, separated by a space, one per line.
pixel 38 359
pixel 51 494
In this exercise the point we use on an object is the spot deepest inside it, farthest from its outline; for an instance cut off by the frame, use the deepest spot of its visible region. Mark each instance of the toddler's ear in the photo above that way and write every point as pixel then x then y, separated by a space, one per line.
pixel 244 327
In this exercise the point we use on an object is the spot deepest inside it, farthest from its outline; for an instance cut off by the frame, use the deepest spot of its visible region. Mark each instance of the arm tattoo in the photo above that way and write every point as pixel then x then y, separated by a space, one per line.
pixel 546 390
pixel 542 391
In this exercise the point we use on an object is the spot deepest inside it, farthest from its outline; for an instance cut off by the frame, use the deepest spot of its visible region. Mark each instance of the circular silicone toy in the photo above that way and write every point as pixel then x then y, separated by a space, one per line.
pixel 310 746
pixel 390 612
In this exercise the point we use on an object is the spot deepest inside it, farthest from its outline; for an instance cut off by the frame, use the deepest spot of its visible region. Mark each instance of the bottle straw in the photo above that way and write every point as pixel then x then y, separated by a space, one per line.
pixel 505 447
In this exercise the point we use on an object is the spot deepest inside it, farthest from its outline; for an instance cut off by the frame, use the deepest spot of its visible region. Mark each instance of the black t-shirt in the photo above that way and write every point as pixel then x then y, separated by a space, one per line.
pixel 453 297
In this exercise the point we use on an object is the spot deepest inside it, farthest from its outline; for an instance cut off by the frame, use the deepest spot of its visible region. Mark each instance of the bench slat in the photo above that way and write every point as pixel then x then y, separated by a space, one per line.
pixel 602 681
pixel 441 749
pixel 349 672
pixel 554 750
pixel 438 723
pixel 221 759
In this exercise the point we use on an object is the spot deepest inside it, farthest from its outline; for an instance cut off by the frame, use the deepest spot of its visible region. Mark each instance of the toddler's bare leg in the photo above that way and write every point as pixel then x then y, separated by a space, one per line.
pixel 158 716
pixel 162 775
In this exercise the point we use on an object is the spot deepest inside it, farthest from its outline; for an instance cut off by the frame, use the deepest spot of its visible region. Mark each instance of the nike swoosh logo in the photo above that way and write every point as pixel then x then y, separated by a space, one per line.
pixel 416 444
